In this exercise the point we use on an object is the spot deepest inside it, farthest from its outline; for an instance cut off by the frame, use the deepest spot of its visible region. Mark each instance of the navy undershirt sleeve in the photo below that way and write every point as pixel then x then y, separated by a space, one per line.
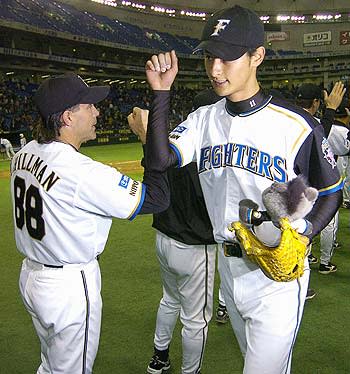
pixel 159 156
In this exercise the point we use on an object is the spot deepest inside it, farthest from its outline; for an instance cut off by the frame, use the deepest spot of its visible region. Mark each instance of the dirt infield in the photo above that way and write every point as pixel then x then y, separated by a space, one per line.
pixel 125 167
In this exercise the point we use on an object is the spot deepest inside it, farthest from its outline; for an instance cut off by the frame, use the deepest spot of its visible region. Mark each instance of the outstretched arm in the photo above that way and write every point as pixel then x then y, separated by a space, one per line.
pixel 332 101
pixel 161 71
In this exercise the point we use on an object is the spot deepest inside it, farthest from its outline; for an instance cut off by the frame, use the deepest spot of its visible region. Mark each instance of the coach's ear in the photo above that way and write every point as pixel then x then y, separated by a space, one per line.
pixel 66 118
pixel 258 56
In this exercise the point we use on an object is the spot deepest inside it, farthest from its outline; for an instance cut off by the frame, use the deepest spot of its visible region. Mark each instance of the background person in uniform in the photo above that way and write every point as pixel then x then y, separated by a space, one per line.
pixel 342 116
pixel 22 140
pixel 309 97
pixel 63 204
pixel 207 97
pixel 8 148
pixel 237 159
pixel 186 252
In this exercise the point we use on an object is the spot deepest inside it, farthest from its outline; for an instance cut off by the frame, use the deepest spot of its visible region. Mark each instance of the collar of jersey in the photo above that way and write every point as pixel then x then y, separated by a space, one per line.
pixel 60 141
pixel 249 106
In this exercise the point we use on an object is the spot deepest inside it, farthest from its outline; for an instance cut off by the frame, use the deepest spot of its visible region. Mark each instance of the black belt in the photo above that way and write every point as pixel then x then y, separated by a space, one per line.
pixel 53 266
pixel 232 249
pixel 61 266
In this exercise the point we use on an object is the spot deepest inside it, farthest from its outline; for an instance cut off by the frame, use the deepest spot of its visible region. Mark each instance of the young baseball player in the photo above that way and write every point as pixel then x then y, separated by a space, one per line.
pixel 242 144
pixel 63 204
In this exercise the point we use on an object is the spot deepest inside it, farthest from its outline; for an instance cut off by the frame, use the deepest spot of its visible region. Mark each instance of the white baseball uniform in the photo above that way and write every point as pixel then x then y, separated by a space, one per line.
pixel 22 140
pixel 8 147
pixel 340 145
pixel 240 149
pixel 63 208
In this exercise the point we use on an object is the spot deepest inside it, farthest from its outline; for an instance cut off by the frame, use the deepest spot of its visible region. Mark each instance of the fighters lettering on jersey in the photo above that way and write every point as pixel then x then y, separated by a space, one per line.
pixel 36 166
pixel 243 157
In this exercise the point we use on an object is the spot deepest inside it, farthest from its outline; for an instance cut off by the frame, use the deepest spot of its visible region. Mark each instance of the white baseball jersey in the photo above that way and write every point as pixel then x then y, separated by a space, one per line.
pixel 239 156
pixel 5 142
pixel 23 141
pixel 338 140
pixel 63 214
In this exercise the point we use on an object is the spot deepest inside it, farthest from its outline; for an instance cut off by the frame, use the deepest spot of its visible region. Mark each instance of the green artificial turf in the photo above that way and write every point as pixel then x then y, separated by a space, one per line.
pixel 131 291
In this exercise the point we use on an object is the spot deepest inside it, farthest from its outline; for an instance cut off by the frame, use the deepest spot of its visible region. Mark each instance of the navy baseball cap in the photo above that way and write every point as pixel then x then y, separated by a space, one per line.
pixel 231 32
pixel 309 91
pixel 341 111
pixel 59 93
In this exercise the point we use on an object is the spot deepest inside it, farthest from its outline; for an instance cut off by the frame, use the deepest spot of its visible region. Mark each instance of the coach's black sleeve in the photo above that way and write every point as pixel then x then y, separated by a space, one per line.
pixel 159 156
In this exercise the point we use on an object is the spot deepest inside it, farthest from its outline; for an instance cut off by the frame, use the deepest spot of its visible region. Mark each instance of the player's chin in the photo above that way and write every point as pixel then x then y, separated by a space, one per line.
pixel 220 89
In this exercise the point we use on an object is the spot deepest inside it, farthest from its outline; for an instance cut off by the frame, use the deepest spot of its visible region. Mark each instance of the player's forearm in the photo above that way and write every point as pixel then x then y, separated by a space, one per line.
pixel 323 211
pixel 327 120
pixel 159 157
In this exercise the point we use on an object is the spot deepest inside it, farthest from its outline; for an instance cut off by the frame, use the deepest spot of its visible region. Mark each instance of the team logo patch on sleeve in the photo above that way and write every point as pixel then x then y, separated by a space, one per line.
pixel 124 181
pixel 328 153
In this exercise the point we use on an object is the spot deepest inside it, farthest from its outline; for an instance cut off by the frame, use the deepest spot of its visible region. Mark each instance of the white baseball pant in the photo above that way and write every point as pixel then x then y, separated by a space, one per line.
pixel 327 238
pixel 187 273
pixel 65 305
pixel 265 315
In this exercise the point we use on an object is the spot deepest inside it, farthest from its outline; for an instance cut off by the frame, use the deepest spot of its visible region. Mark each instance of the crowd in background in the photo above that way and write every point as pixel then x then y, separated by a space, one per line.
pixel 18 114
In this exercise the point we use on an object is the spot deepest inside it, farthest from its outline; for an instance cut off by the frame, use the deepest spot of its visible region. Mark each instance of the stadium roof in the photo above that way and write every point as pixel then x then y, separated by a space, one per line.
pixel 272 6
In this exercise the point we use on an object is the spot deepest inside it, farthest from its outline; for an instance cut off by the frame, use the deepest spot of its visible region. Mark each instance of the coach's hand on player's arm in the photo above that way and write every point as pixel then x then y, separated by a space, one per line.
pixel 161 70
pixel 138 120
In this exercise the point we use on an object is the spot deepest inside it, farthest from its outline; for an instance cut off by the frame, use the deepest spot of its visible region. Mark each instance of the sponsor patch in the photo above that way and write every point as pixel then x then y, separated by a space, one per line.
pixel 328 153
pixel 124 181
pixel 180 129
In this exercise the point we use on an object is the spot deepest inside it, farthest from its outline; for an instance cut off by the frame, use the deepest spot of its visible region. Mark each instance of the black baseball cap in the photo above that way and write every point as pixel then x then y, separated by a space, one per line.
pixel 341 111
pixel 231 32
pixel 59 93
pixel 309 91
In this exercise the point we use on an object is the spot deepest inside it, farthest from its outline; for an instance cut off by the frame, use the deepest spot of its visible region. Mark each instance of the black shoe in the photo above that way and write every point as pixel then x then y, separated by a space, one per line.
pixel 221 314
pixel 157 366
pixel 312 259
pixel 346 205
pixel 336 245
pixel 326 269
pixel 310 294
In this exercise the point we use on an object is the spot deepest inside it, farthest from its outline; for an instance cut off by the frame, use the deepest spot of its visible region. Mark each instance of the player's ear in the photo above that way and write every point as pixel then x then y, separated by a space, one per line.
pixel 257 57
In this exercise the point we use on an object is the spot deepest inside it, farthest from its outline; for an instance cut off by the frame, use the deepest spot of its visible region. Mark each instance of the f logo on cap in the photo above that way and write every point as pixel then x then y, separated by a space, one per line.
pixel 221 25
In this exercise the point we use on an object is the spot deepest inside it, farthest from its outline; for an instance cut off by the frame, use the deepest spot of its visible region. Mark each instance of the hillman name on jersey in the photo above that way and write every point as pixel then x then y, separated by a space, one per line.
pixel 243 157
pixel 34 164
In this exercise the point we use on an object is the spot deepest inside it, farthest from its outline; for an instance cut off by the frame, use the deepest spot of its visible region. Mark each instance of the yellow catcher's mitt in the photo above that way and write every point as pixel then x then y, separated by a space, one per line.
pixel 283 263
